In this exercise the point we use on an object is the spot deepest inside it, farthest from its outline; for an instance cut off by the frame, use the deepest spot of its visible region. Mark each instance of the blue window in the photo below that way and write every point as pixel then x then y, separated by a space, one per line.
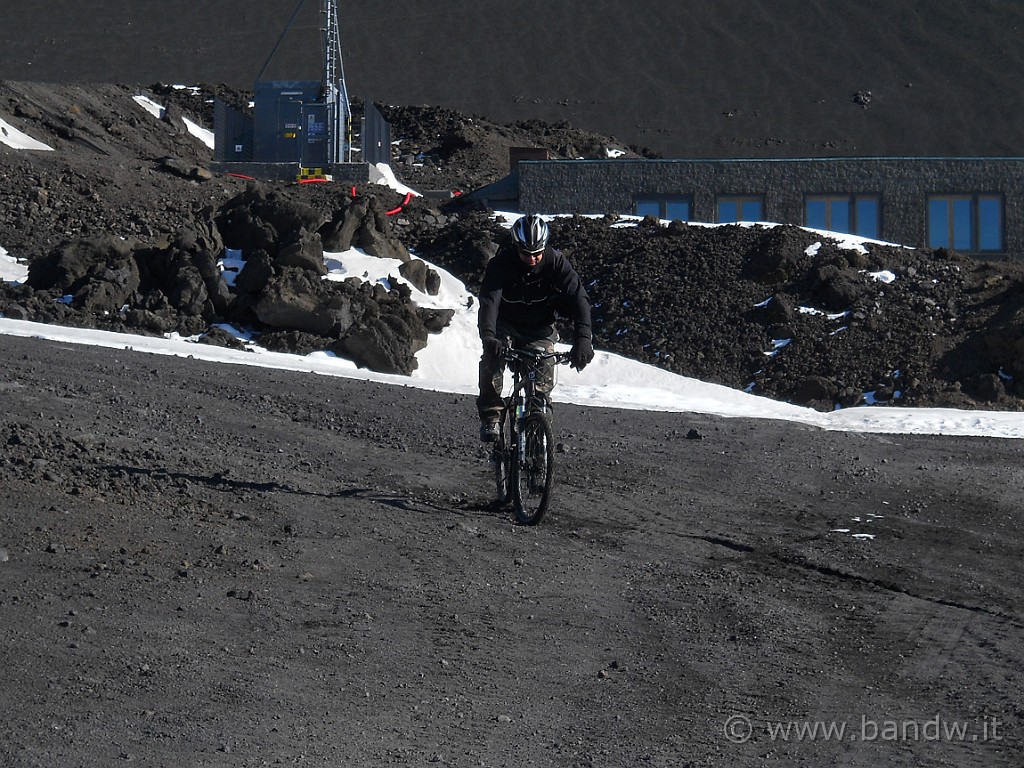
pixel 740 208
pixel 867 219
pixel 647 208
pixel 850 214
pixel 672 207
pixel 990 223
pixel 966 223
pixel 677 209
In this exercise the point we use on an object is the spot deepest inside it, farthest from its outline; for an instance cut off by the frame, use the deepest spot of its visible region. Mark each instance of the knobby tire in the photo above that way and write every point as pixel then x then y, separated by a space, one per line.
pixel 501 457
pixel 533 475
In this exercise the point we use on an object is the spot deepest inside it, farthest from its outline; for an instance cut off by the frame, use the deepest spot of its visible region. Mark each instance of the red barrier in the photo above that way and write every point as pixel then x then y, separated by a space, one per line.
pixel 393 211
pixel 408 198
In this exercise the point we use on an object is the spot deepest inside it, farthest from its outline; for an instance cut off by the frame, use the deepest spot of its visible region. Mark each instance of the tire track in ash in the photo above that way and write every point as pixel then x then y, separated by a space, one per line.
pixel 925 660
pixel 953 658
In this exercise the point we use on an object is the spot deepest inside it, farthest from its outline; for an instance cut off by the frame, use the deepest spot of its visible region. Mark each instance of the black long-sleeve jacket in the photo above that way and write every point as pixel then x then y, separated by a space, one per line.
pixel 526 297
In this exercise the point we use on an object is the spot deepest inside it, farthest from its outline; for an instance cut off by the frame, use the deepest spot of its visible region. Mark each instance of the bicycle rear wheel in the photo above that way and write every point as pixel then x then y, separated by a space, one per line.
pixel 533 473
pixel 501 458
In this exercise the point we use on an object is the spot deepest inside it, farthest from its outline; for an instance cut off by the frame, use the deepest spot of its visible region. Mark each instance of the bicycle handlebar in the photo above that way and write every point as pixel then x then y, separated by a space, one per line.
pixel 517 354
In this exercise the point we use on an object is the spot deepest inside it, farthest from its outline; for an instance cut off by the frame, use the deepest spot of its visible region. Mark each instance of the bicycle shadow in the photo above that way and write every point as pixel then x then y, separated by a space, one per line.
pixel 219 481
pixel 461 507
pixel 216 481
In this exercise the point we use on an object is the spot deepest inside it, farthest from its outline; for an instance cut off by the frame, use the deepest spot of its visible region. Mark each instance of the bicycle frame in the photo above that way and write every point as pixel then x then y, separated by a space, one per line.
pixel 525 367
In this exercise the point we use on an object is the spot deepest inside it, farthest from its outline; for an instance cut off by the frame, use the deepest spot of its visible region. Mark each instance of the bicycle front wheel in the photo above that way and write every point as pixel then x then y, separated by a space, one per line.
pixel 533 472
pixel 501 458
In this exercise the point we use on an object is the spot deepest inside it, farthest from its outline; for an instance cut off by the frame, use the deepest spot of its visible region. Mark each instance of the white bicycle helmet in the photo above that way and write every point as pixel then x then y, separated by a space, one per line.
pixel 531 233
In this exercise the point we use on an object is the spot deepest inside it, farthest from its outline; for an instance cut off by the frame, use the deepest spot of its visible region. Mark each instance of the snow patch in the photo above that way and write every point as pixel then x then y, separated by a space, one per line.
pixel 158 111
pixel 885 276
pixel 381 173
pixel 12 270
pixel 15 139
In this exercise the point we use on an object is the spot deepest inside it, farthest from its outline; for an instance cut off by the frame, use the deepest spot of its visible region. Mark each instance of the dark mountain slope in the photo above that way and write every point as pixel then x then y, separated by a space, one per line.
pixel 697 79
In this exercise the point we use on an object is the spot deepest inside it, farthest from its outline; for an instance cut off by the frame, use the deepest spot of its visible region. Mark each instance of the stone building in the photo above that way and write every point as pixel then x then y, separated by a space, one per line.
pixel 971 205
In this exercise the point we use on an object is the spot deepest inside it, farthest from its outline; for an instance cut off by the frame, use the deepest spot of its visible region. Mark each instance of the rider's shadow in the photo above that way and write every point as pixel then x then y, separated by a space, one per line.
pixel 217 480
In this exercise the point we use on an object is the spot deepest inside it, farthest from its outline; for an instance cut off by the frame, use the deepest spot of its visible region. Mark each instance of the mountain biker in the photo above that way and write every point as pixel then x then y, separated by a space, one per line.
pixel 525 285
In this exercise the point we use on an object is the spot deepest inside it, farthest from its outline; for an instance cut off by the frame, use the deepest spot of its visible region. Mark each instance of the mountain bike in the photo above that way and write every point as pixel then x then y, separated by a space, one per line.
pixel 524 453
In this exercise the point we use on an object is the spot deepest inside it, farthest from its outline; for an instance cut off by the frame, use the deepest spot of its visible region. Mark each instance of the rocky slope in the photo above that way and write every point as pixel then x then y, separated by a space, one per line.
pixel 124 226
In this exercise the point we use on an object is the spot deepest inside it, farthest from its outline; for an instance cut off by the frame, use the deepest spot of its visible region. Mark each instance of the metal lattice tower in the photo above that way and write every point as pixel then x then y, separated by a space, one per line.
pixel 336 95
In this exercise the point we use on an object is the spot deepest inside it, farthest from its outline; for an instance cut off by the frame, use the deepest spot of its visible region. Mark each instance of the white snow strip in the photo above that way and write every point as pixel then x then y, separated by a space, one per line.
pixel 829 315
pixel 851 242
pixel 157 111
pixel 610 381
pixel 15 139
pixel 778 344
pixel 205 135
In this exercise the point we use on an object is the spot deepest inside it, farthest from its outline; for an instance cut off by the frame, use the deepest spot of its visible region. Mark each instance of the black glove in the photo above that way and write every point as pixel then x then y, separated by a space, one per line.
pixel 581 354
pixel 492 346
